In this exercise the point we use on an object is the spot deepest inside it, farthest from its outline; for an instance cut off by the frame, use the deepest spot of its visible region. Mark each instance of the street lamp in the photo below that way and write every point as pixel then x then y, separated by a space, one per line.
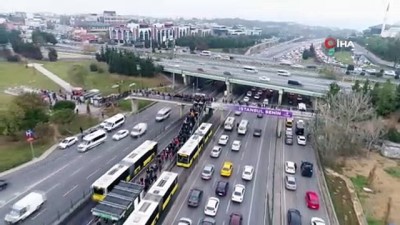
pixel 193 87
pixel 140 74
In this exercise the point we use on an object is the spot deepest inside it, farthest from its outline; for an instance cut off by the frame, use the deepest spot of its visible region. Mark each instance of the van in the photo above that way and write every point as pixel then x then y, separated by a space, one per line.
pixel 163 114
pixel 113 122
pixel 242 129
pixel 284 73
pixel 92 140
pixel 25 207
pixel 139 129
pixel 294 82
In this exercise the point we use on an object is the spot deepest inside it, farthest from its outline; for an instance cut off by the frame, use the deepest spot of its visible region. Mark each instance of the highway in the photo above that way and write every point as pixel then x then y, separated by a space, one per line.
pixel 257 152
pixel 281 49
pixel 66 175
pixel 284 199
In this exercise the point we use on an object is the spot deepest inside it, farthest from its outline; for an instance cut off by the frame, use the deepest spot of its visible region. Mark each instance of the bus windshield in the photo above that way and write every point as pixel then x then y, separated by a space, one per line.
pixel 99 191
pixel 183 158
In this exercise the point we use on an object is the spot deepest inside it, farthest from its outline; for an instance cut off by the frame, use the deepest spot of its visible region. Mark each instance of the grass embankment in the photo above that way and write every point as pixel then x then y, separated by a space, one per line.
pixel 344 57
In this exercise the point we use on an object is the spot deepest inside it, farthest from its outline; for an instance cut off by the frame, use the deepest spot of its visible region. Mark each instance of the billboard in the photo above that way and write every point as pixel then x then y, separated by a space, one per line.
pixel 269 112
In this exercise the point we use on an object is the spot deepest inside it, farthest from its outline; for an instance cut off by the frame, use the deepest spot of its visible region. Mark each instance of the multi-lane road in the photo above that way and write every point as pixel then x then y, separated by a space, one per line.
pixel 65 175
pixel 267 155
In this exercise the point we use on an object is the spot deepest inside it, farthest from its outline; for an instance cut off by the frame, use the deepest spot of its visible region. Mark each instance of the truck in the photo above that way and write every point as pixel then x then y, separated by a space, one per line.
pixel 23 208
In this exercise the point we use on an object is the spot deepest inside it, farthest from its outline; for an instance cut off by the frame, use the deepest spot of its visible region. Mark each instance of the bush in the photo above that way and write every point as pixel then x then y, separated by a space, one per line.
pixel 63 116
pixel 100 70
pixel 14 58
pixel 393 135
pixel 396 77
pixel 93 67
pixel 60 105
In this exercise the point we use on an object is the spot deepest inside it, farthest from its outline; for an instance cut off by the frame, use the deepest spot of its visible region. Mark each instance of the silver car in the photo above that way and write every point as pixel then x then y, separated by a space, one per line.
pixel 207 172
pixel 290 183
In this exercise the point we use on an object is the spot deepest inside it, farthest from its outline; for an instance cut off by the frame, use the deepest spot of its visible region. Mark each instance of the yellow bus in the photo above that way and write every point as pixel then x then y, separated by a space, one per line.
pixel 192 148
pixel 126 169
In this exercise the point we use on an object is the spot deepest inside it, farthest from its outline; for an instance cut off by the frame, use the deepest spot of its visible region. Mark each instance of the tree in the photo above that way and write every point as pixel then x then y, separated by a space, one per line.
pixel 372 131
pixel 3 35
pixel 356 87
pixel 334 88
pixel 306 54
pixel 386 99
pixel 63 116
pixel 335 128
pixel 53 56
pixel 64 104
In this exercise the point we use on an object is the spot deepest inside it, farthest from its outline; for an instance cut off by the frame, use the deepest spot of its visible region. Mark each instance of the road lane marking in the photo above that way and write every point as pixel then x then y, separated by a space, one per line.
pixel 110 160
pixel 38 214
pixel 73 188
pixel 75 172
pixel 241 158
pixel 223 223
pixel 238 170
pixel 93 173
pixel 229 205
pixel 255 179
pixel 35 184
pixel 52 188
pixel 283 191
pixel 268 169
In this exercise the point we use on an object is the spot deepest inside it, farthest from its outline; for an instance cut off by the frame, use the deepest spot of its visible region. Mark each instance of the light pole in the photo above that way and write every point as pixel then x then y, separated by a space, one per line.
pixel 193 87
pixel 140 74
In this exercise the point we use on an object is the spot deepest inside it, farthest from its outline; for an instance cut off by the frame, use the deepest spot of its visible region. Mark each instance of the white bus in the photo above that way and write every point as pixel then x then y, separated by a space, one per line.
pixel 163 114
pixel 284 73
pixel 139 158
pixel 250 69
pixel 114 122
pixel 92 140
pixel 205 53
pixel 242 129
pixel 229 123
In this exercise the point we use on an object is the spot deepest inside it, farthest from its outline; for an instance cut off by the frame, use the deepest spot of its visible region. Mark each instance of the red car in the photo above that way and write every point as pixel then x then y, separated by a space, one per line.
pixel 312 200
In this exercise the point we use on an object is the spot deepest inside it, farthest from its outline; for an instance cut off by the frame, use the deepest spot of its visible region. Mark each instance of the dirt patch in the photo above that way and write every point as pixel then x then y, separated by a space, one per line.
pixel 384 184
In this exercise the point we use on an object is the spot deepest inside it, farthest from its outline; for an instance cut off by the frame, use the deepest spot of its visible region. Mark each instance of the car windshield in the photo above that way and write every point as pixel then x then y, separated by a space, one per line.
pixel 65 141
pixel 136 130
pixel 237 193
pixel 291 182
pixel 121 132
pixel 215 150
pixel 194 195
pixel 14 212
pixel 210 208
pixel 226 168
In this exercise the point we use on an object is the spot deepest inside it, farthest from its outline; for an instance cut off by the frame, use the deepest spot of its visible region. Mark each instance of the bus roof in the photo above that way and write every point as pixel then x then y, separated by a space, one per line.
pixel 115 118
pixel 230 119
pixel 112 174
pixel 203 129
pixel 195 139
pixel 138 152
pixel 90 136
pixel 163 183
pixel 142 213
pixel 243 122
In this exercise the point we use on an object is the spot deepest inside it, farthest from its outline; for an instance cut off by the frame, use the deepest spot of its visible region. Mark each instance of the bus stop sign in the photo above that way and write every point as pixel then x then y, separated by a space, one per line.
pixel 269 112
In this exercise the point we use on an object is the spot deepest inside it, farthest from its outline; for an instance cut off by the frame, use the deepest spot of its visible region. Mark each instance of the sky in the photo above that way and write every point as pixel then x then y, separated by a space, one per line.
pixel 354 14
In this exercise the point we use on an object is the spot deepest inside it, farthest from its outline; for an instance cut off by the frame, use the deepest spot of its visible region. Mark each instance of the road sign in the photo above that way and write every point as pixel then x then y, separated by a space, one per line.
pixel 270 112
pixel 29 133
pixel 331 52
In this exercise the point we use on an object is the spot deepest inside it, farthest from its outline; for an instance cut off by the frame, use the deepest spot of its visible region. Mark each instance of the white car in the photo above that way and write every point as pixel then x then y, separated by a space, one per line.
pixel 121 134
pixel 246 99
pixel 238 113
pixel 223 140
pixel 301 140
pixel 67 142
pixel 317 221
pixel 264 78
pixel 265 101
pixel 212 205
pixel 290 168
pixel 185 221
pixel 236 145
pixel 289 131
pixel 238 193
pixel 215 152
pixel 390 73
pixel 256 97
pixel 249 94
pixel 248 173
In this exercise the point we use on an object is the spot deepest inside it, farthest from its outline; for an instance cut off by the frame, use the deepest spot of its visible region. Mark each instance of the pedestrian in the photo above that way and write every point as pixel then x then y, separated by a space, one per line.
pixel 81 129
pixel 295 166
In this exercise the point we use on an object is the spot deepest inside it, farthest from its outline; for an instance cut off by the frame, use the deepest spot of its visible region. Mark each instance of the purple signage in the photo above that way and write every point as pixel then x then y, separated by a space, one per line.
pixel 270 112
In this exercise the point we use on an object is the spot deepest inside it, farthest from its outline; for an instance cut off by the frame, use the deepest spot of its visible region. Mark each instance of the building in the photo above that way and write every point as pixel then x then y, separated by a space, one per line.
pixel 218 30
pixel 92 27
pixel 111 17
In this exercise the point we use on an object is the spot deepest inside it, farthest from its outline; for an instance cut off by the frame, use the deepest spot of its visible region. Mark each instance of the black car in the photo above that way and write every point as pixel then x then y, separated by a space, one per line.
pixel 289 140
pixel 3 185
pixel 257 132
pixel 222 188
pixel 294 82
pixel 293 217
pixel 195 196
pixel 207 221
pixel 306 169
pixel 260 115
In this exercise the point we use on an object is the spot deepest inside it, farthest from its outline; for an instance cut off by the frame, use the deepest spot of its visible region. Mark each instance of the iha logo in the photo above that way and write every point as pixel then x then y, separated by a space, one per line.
pixel 332 43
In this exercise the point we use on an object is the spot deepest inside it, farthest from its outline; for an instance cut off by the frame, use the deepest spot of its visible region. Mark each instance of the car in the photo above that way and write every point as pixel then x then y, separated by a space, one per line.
pixel 238 113
pixel 249 94
pixel 223 140
pixel 246 99
pixel 200 69
pixel 312 200
pixel 216 152
pixel 207 172
pixel 238 193
pixel 290 183
pixel 3 185
pixel 194 198
pixel 264 78
pixel 260 115
pixel 207 221
pixel 256 97
pixel 226 170
pixel 289 131
pixel 289 140
pixel 257 132
pixel 185 221
pixel 290 167
pixel 222 188
pixel 265 101
pixel 235 219
pixel 68 142
pixel 236 145
pixel 306 169
pixel 248 173
pixel 317 221
pixel 293 217
pixel 212 205
pixel 301 140
pixel 121 134
pixel 227 73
